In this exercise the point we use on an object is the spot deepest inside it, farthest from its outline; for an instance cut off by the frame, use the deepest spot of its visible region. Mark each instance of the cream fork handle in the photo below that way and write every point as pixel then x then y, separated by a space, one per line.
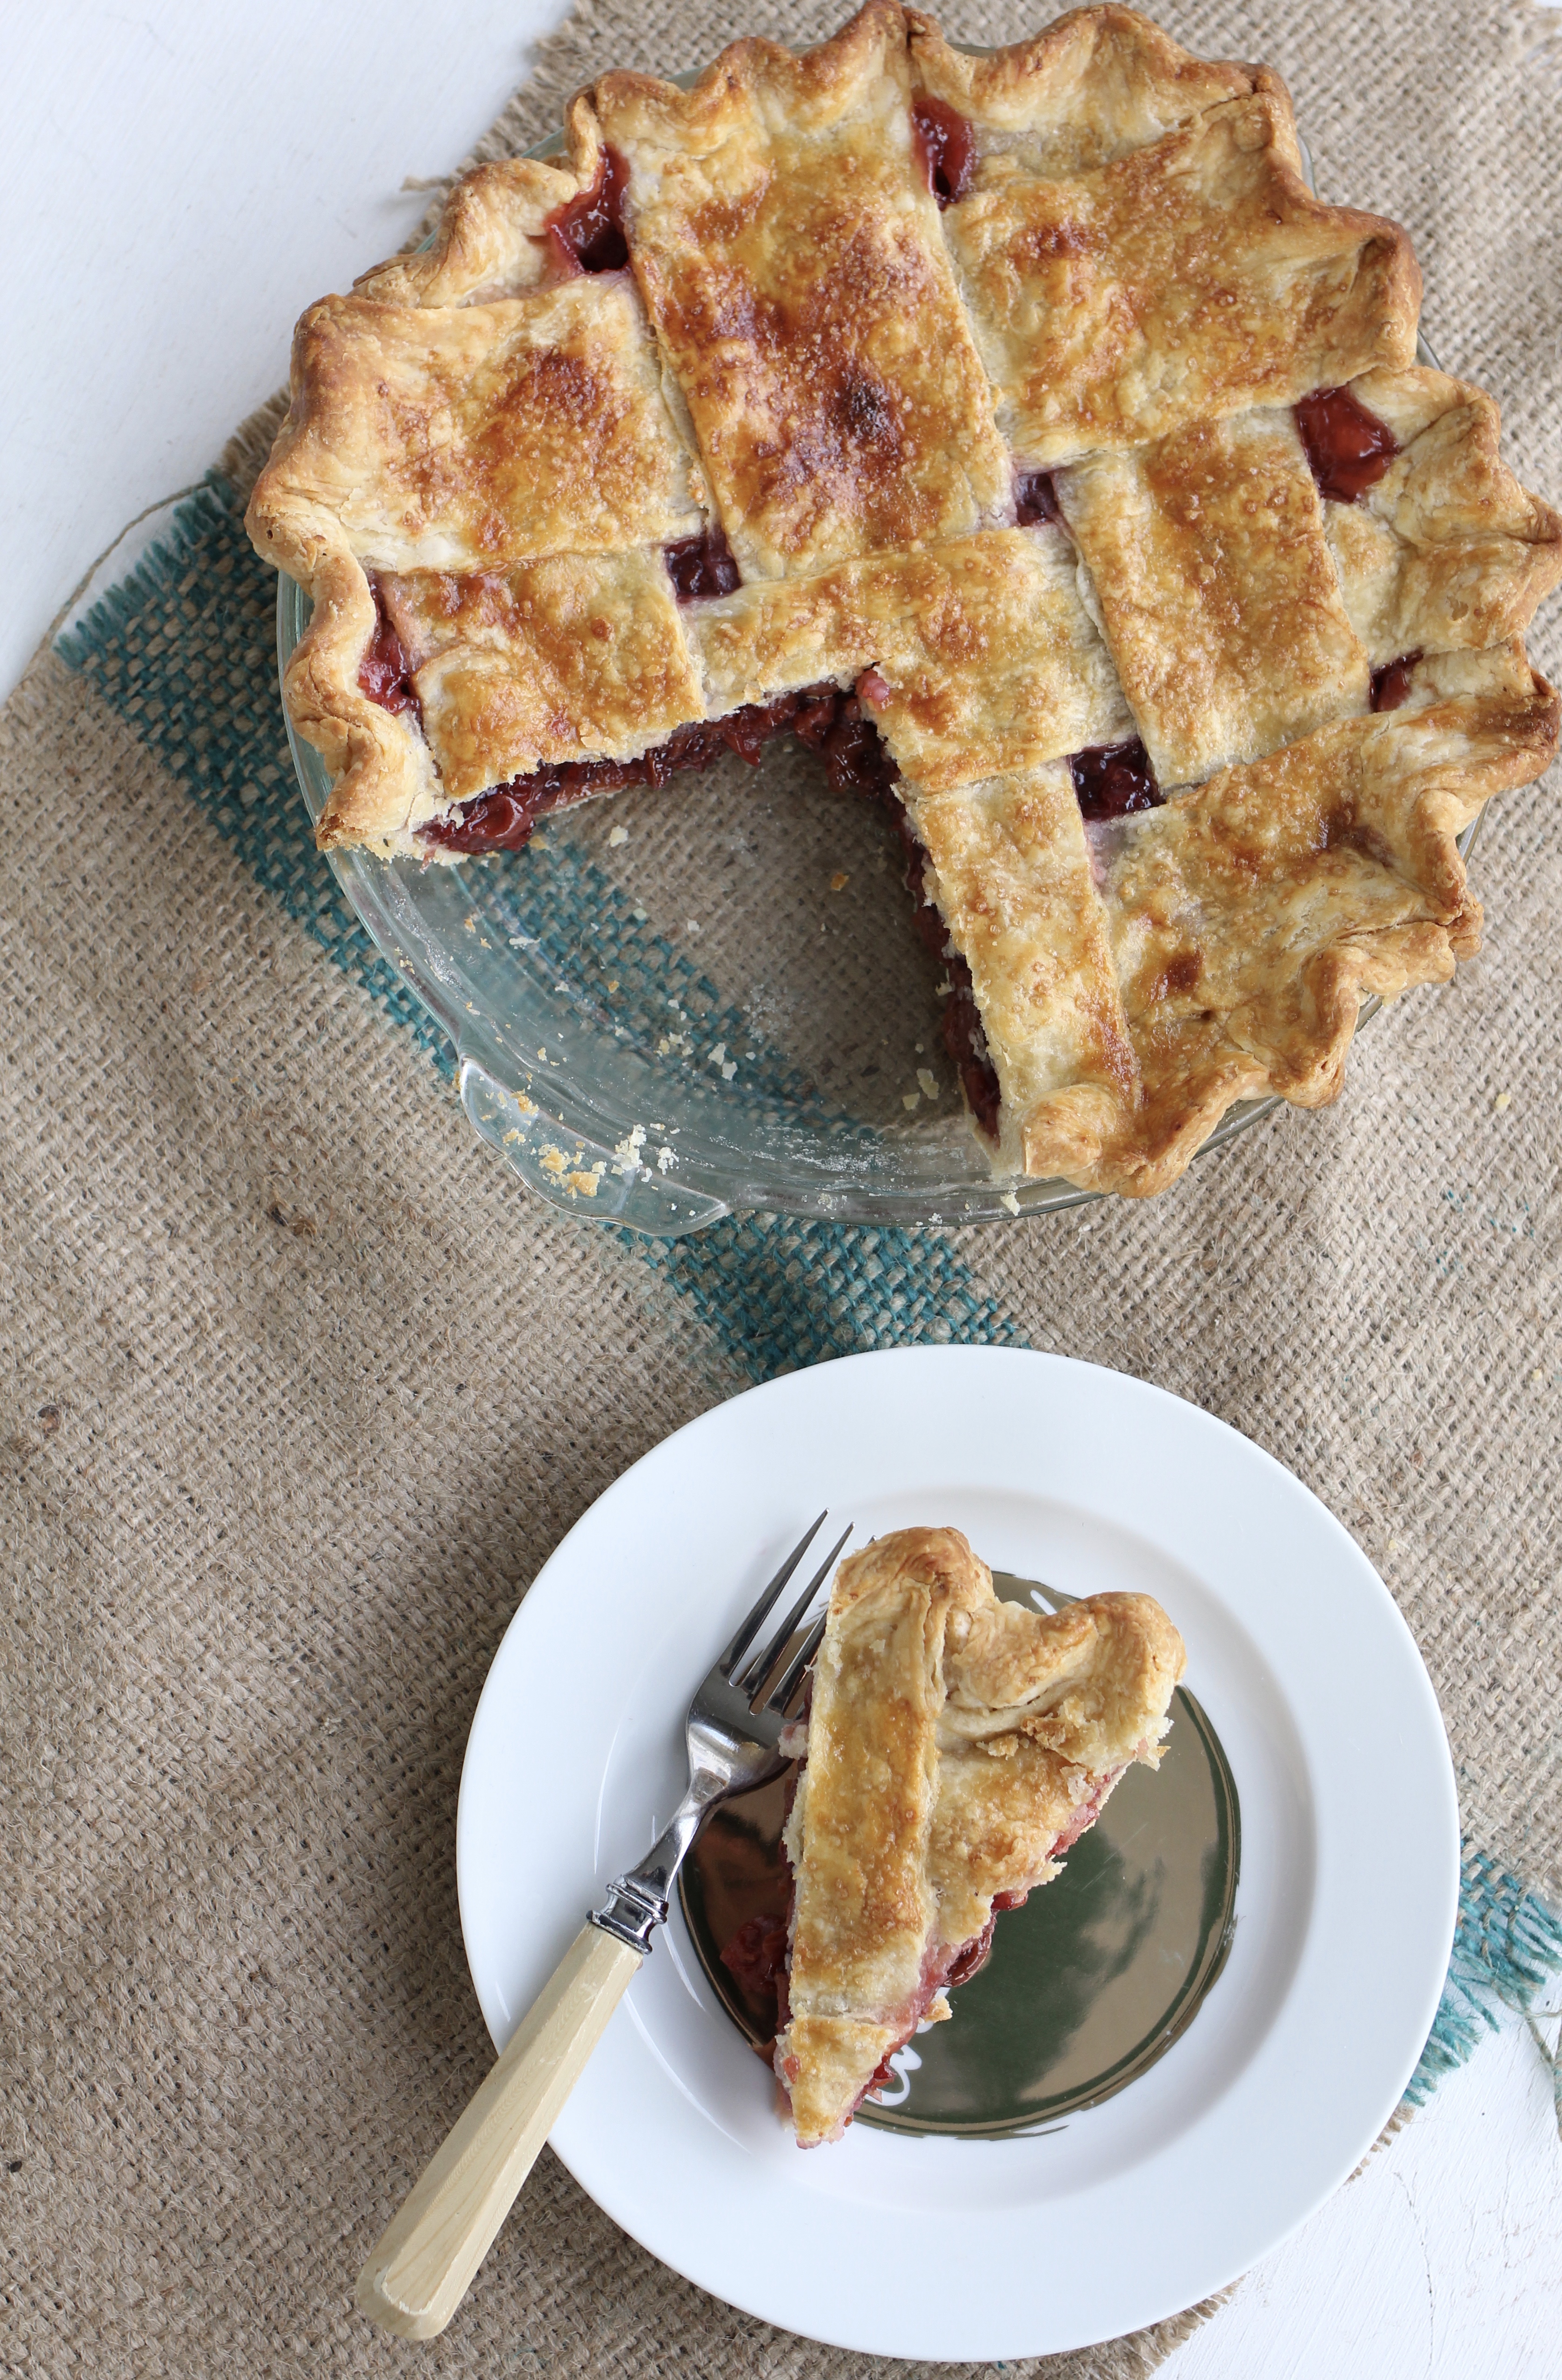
pixel 422 2264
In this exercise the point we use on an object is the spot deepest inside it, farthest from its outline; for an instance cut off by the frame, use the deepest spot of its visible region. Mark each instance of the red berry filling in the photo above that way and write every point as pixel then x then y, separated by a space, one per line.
pixel 702 566
pixel 385 675
pixel 1391 685
pixel 586 235
pixel 945 147
pixel 1111 780
pixel 1348 448
pixel 1035 499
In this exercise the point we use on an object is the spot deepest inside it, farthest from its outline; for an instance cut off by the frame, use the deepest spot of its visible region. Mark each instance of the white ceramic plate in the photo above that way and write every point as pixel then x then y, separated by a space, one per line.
pixel 967 2249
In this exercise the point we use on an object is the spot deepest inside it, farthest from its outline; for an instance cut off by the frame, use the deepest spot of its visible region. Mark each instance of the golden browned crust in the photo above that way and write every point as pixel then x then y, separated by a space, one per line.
pixel 1448 551
pixel 582 656
pixel 1217 590
pixel 984 657
pixel 461 438
pixel 1180 282
pixel 1093 86
pixel 1012 878
pixel 384 783
pixel 456 441
pixel 460 412
pixel 1249 915
pixel 791 259
pixel 953 1740
pixel 490 241
pixel 808 356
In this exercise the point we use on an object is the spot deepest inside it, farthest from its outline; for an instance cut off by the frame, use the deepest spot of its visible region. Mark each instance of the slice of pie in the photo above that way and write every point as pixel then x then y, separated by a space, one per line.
pixel 1020 432
pixel 955 1748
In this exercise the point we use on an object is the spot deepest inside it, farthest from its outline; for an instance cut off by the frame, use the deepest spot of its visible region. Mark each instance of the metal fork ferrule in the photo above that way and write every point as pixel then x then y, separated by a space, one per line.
pixel 632 1913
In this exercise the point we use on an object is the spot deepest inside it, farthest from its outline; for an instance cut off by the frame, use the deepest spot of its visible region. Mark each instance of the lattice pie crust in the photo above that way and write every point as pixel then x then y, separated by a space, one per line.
pixel 1019 430
pixel 957 1746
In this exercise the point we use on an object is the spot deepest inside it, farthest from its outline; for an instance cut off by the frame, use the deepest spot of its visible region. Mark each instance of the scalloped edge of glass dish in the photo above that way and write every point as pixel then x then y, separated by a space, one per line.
pixel 569 1148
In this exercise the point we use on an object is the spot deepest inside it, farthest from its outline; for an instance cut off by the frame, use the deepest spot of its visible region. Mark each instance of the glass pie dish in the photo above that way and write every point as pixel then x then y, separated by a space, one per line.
pixel 680 1001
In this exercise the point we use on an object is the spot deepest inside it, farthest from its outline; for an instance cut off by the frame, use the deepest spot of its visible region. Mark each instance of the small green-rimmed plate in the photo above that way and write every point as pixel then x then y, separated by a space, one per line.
pixel 1088 1984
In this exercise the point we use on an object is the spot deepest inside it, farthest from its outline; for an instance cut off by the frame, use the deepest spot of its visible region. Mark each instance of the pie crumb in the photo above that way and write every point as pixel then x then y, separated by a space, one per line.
pixel 627 1153
pixel 1503 1100
pixel 840 881
pixel 619 834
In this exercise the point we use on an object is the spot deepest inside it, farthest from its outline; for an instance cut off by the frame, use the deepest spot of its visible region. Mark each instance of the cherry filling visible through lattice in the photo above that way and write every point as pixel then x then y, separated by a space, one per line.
pixel 946 148
pixel 587 236
pixel 1347 450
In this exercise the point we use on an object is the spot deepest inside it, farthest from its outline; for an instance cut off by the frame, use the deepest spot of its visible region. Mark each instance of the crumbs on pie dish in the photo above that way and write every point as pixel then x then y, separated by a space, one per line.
pixel 954 1748
pixel 1020 433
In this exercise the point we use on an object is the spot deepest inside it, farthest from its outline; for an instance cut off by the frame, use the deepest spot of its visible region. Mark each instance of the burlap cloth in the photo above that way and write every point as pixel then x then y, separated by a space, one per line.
pixel 301 1388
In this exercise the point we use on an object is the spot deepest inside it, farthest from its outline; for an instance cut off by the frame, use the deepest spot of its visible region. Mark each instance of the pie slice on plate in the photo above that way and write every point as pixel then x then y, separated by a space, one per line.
pixel 955 1747
pixel 1020 433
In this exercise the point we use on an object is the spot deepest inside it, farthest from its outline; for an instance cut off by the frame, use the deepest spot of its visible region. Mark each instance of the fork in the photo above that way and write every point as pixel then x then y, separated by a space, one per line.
pixel 422 2264
pixel 1010 1589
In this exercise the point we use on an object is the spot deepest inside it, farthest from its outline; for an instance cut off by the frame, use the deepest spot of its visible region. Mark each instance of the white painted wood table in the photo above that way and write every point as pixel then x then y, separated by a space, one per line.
pixel 176 190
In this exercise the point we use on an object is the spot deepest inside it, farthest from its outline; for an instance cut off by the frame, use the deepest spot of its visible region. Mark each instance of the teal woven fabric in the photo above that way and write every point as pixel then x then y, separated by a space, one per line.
pixel 183 649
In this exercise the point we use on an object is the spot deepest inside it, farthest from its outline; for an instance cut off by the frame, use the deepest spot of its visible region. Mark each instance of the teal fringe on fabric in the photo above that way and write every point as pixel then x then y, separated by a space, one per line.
pixel 183 647
pixel 1508 1947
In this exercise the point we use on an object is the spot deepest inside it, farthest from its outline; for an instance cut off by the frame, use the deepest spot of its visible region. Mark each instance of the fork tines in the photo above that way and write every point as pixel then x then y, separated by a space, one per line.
pixel 749 1675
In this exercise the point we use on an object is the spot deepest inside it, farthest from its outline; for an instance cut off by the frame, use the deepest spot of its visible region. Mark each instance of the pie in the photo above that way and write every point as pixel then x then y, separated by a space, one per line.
pixel 1018 432
pixel 955 1748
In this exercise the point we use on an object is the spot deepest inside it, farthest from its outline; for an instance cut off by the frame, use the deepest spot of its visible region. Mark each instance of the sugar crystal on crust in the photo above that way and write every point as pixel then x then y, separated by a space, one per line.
pixel 461 438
